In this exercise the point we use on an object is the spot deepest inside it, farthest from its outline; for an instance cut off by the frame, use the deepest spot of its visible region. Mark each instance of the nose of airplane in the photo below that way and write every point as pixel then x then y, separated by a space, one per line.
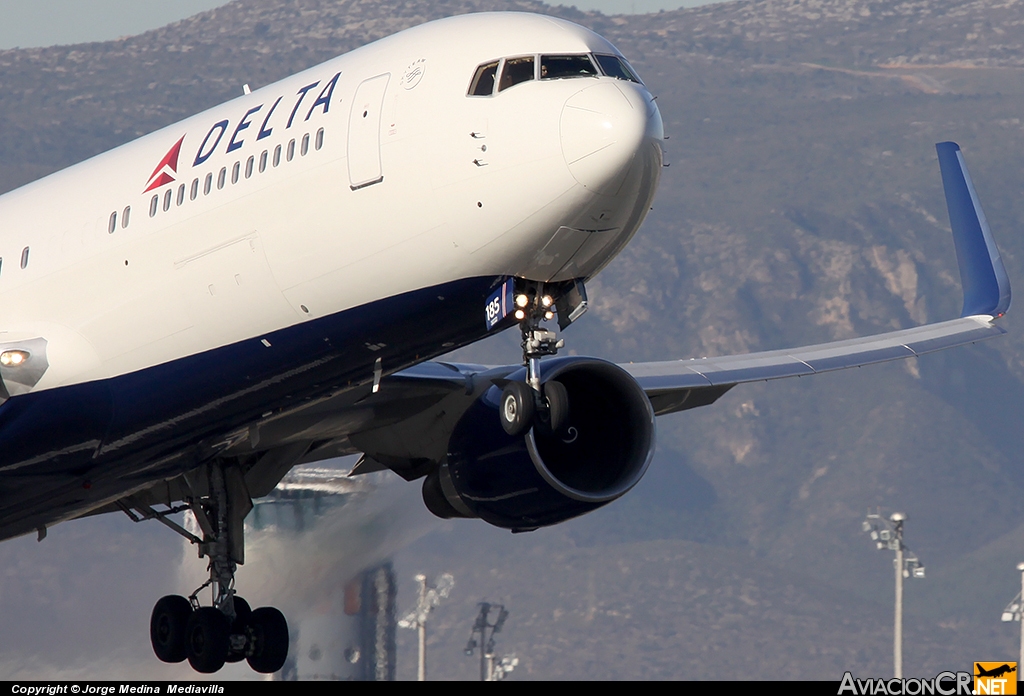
pixel 602 128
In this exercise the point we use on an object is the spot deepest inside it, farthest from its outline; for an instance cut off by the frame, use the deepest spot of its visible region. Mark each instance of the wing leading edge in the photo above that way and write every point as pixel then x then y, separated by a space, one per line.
pixel 678 385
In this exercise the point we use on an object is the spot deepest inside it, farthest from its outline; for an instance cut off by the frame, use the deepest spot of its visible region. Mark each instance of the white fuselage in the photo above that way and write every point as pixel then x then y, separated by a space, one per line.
pixel 397 180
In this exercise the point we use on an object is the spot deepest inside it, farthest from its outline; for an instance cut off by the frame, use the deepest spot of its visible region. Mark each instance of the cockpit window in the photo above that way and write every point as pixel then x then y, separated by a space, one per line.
pixel 551 67
pixel 616 67
pixel 514 71
pixel 554 67
pixel 483 80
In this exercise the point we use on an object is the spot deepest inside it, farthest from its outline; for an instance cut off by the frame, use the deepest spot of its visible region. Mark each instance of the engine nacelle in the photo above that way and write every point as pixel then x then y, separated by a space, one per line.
pixel 539 479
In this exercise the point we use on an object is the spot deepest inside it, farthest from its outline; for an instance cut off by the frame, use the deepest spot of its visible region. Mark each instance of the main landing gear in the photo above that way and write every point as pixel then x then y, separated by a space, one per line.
pixel 229 630
pixel 180 629
pixel 530 403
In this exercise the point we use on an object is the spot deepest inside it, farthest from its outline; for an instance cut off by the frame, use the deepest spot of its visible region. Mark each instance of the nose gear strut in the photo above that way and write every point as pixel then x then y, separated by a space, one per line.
pixel 524 405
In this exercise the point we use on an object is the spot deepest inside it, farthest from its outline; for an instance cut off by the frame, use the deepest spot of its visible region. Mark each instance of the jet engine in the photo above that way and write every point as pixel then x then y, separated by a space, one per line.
pixel 544 477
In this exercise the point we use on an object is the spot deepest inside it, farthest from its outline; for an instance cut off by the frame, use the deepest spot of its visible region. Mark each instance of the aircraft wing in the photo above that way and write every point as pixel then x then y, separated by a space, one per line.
pixel 682 384
pixel 677 385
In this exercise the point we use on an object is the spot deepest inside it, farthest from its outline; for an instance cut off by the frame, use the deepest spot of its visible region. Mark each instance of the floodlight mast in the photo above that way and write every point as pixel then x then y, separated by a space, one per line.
pixel 421 630
pixel 486 643
pixel 888 534
pixel 429 598
pixel 897 645
pixel 1014 609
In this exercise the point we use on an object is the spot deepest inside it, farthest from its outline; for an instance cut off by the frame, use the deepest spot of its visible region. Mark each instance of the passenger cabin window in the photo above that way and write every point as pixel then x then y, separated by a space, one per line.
pixel 319 142
pixel 234 172
pixel 181 194
pixel 249 163
pixel 263 162
pixel 483 81
pixel 24 257
pixel 167 200
pixel 125 217
pixel 291 150
pixel 305 145
pixel 112 225
pixel 277 155
pixel 208 184
pixel 153 203
pixel 514 71
pixel 194 191
pixel 222 177
pixel 557 67
pixel 616 67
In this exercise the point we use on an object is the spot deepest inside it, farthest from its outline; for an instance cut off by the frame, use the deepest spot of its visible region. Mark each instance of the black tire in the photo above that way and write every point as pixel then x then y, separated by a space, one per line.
pixel 269 632
pixel 206 640
pixel 517 408
pixel 240 626
pixel 557 398
pixel 167 628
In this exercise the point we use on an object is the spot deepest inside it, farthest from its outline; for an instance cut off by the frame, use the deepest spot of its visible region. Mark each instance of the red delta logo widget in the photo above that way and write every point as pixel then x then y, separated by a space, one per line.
pixel 167 169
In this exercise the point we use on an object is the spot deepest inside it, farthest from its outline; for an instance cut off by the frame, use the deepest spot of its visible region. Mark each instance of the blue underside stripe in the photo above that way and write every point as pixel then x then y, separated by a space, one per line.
pixel 62 448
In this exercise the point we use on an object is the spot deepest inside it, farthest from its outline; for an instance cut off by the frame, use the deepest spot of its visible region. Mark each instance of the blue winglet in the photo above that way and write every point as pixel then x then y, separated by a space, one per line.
pixel 982 275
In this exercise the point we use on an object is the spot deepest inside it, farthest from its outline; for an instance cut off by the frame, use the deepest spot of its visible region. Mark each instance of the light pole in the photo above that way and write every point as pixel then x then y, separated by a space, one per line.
pixel 486 643
pixel 1013 610
pixel 429 598
pixel 888 534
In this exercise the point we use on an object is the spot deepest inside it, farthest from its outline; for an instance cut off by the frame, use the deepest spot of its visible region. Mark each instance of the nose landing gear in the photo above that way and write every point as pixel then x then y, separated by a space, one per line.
pixel 530 403
pixel 227 631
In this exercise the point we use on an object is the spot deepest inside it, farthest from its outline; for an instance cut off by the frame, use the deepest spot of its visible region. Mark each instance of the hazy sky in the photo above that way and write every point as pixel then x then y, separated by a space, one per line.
pixel 47 22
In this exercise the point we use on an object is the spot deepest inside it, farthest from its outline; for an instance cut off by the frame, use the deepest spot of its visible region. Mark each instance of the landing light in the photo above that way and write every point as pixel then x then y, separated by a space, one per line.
pixel 520 314
pixel 13 358
pixel 546 300
pixel 522 301
pixel 549 315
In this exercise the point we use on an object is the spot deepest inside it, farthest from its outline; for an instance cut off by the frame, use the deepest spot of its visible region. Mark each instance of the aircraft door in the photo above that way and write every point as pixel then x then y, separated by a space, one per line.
pixel 364 167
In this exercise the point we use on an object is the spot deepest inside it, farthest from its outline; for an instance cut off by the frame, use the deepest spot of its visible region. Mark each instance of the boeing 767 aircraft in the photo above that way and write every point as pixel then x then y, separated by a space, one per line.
pixel 190 315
